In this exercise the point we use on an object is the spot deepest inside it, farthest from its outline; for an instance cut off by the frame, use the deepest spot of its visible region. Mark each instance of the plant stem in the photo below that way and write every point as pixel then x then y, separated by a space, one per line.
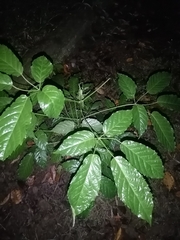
pixel 19 89
pixel 29 82
pixel 96 89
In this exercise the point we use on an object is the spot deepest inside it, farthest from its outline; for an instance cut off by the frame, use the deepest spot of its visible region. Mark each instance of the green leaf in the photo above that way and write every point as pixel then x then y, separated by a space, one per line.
pixel 171 102
pixel 40 153
pixel 64 127
pixel 140 118
pixel 5 82
pixel 73 86
pixel 85 185
pixel 107 187
pixel 122 99
pixel 108 103
pixel 26 167
pixel 157 82
pixel 132 188
pixel 51 101
pixel 97 105
pixel 105 157
pixel 5 100
pixel 71 165
pixel 9 63
pixel 41 140
pixel 143 158
pixel 86 213
pixel 41 157
pixel 164 130
pixel 14 124
pixel 92 123
pixel 117 123
pixel 41 69
pixel 77 144
pixel 127 86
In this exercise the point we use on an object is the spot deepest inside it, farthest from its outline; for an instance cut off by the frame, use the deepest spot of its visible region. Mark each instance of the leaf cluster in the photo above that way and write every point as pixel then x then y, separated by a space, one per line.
pixel 105 154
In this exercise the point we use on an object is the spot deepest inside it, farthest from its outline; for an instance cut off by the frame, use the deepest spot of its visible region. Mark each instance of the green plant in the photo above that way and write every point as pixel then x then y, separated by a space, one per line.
pixel 104 155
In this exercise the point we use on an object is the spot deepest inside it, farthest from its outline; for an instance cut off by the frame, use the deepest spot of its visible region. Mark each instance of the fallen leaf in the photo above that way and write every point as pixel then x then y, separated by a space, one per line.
pixel 128 60
pixel 30 181
pixel 16 196
pixel 118 235
pixel 168 181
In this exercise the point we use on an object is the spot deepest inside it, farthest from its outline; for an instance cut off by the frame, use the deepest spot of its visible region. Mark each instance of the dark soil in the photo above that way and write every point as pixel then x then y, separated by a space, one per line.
pixel 136 37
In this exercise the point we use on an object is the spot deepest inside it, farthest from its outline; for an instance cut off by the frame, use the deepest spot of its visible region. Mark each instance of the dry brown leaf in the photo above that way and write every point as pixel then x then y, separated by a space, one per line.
pixel 5 200
pixel 16 196
pixel 50 176
pixel 168 181
pixel 128 60
pixel 30 181
pixel 53 172
pixel 118 235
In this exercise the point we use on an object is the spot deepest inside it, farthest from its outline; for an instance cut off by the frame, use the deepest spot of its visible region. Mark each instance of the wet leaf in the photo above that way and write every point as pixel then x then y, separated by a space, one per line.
pixel 85 185
pixel 51 101
pixel 140 118
pixel 5 82
pixel 77 144
pixel 14 123
pixel 143 158
pixel 71 165
pixel 132 188
pixel 92 123
pixel 64 127
pixel 41 69
pixel 117 123
pixel 9 63
pixel 127 86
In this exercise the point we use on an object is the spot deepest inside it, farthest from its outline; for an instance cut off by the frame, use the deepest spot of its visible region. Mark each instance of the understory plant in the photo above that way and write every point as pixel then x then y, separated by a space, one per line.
pixel 100 142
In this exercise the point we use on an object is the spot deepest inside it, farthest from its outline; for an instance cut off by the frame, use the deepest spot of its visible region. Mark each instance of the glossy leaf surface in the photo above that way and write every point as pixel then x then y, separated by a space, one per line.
pixel 77 144
pixel 164 130
pixel 127 86
pixel 92 123
pixel 14 123
pixel 143 158
pixel 5 82
pixel 117 123
pixel 64 127
pixel 132 189
pixel 85 185
pixel 51 101
pixel 140 118
pixel 9 63
pixel 41 69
